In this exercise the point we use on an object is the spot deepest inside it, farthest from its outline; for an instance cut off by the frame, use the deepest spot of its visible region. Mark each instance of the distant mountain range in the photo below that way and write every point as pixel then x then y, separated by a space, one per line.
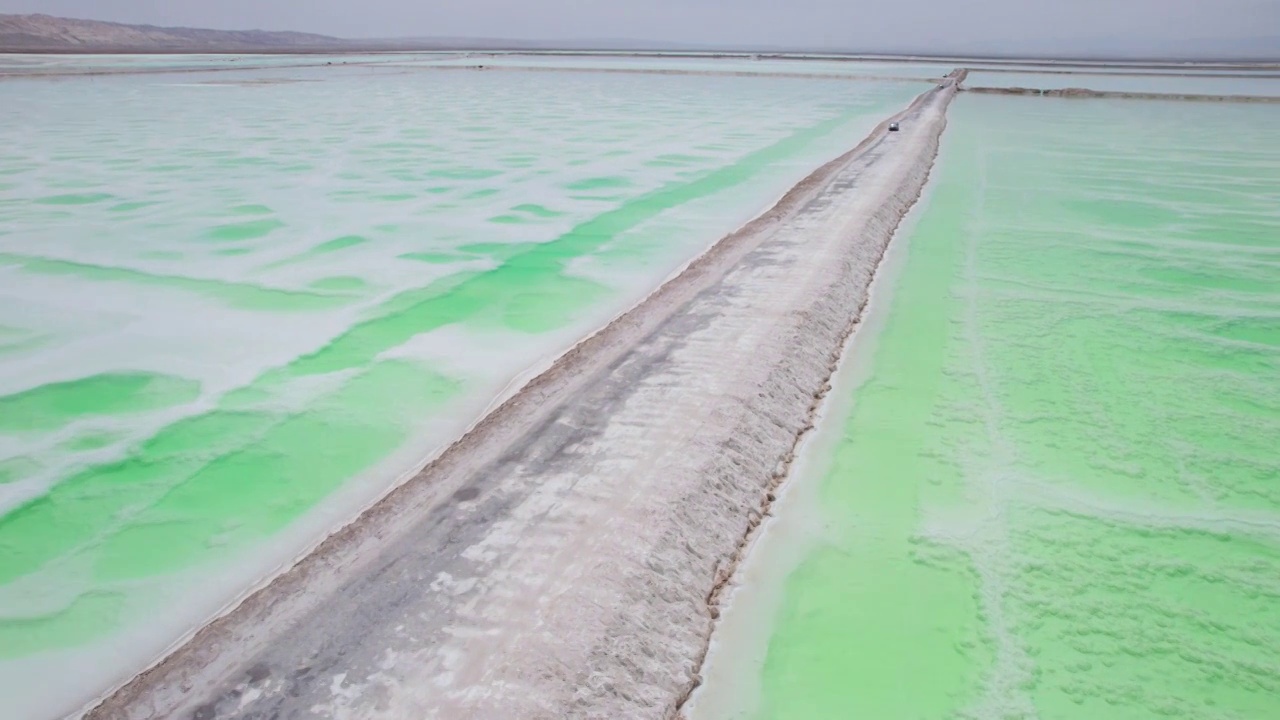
pixel 45 33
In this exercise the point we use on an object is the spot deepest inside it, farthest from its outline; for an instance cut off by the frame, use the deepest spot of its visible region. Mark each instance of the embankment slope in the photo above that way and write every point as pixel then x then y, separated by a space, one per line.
pixel 561 560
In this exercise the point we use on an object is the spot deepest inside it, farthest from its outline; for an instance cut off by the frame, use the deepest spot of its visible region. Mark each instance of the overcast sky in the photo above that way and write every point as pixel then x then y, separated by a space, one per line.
pixel 1056 25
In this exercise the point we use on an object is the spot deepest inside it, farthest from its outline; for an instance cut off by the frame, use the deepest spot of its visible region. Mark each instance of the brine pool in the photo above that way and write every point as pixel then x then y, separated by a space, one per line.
pixel 1048 483
pixel 236 307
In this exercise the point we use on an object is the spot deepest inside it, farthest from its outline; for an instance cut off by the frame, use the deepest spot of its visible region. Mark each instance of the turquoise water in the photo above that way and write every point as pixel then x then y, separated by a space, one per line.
pixel 1048 484
pixel 236 307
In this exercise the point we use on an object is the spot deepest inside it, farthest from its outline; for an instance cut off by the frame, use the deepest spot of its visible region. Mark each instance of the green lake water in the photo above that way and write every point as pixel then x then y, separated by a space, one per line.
pixel 1049 485
pixel 236 307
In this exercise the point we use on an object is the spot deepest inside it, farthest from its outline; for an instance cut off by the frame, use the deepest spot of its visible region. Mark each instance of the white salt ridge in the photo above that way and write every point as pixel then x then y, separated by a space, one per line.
pixel 1154 83
pixel 764 66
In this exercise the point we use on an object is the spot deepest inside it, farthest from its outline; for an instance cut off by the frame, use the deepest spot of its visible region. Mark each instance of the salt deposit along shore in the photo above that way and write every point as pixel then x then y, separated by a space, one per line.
pixel 562 558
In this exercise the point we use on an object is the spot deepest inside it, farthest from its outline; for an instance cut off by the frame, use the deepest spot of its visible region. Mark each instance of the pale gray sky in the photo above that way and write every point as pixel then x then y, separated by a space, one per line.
pixel 1163 26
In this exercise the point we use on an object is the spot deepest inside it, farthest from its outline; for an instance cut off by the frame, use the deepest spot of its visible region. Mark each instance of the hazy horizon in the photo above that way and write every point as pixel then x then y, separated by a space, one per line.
pixel 1086 27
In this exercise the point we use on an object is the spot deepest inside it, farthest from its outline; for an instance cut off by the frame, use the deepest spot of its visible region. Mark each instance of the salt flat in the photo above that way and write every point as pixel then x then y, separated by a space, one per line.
pixel 240 306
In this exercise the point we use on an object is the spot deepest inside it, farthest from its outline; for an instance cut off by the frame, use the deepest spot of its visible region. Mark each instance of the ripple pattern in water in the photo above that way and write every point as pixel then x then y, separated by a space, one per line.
pixel 235 307
pixel 1057 491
